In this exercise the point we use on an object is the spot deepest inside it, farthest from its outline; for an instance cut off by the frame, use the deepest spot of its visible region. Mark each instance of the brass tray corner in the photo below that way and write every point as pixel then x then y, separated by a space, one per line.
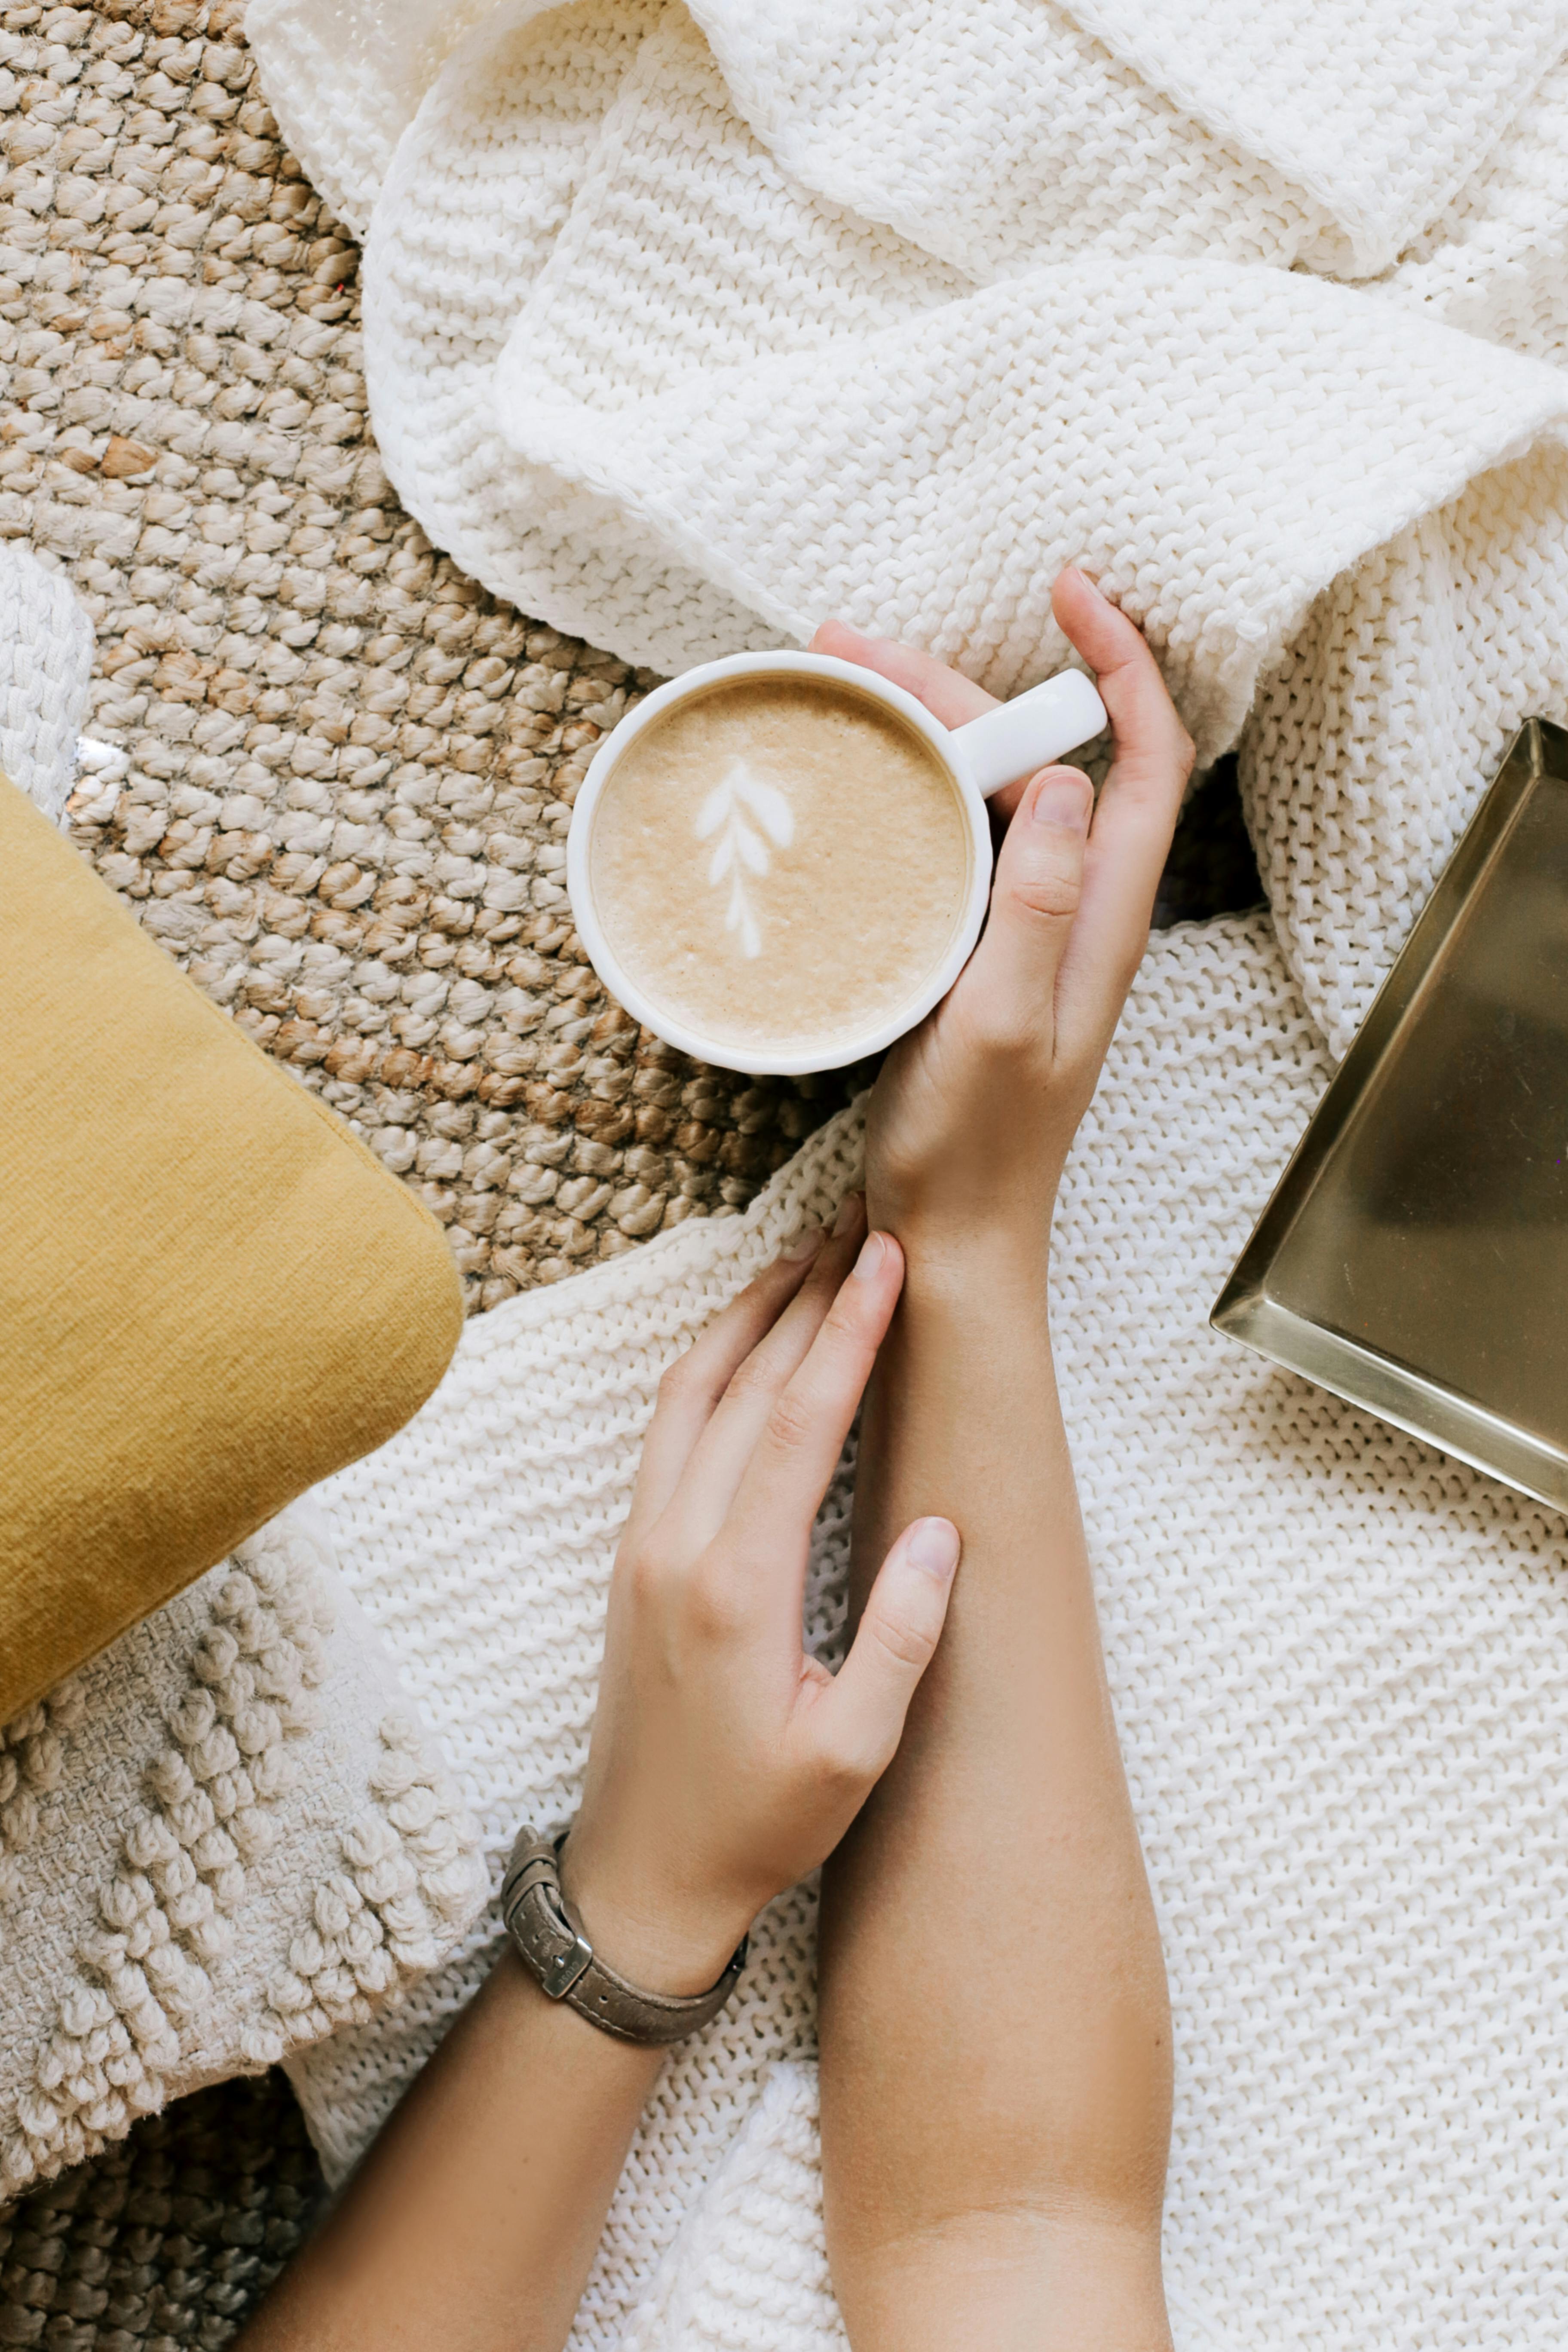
pixel 1412 1258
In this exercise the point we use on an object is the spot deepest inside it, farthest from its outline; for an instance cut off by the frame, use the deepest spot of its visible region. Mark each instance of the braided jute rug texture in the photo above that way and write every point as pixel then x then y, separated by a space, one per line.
pixel 351 777
pixel 351 773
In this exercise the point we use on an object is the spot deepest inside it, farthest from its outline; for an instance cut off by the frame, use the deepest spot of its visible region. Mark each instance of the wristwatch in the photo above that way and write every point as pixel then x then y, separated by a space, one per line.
pixel 558 1955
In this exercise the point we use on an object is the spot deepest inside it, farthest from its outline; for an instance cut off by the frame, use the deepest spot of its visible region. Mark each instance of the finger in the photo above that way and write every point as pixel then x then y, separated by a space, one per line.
pixel 692 1386
pixel 1148 737
pixel 804 1435
pixel 863 1710
pixel 949 699
pixel 711 1480
pixel 1152 760
pixel 1009 984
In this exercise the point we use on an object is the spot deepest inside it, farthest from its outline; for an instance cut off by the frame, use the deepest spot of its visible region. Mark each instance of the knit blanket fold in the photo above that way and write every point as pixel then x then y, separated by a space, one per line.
pixel 686 328
pixel 45 671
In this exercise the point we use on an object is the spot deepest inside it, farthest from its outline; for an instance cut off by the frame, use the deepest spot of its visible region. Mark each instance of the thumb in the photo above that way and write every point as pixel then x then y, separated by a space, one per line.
pixel 1035 897
pixel 893 1644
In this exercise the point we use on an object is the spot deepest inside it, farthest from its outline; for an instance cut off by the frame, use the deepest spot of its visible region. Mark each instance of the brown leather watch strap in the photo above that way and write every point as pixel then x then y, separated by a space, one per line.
pixel 556 1953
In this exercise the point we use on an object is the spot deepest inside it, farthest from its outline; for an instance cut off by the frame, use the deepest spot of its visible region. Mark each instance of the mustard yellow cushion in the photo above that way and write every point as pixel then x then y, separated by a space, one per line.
pixel 211 1295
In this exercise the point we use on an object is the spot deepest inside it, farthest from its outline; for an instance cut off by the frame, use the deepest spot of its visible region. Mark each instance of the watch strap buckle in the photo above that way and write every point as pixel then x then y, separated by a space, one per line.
pixel 563 1962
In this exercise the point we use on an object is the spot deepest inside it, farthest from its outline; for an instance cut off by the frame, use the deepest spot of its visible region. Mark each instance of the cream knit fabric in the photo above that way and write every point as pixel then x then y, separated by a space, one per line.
pixel 1339 1664
pixel 220 1840
pixel 46 668
pixel 685 328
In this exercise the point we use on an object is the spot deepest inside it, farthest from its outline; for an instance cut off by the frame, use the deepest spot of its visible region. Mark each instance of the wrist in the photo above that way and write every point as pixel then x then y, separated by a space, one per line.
pixel 950 1259
pixel 657 1938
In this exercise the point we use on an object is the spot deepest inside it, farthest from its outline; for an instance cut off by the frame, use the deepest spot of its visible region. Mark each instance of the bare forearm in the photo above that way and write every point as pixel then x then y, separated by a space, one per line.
pixel 994 2027
pixel 474 2219
pixel 716 1777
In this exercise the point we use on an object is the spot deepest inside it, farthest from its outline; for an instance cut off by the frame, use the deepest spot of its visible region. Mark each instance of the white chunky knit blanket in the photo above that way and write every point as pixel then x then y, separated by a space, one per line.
pixel 1341 1672
pixel 685 327
pixel 45 669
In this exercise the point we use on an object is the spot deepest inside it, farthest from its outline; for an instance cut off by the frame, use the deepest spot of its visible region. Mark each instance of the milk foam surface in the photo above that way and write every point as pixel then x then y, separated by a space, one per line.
pixel 780 863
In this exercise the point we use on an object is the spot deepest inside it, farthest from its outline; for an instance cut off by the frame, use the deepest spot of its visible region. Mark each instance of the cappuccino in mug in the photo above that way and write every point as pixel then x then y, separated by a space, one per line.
pixel 781 863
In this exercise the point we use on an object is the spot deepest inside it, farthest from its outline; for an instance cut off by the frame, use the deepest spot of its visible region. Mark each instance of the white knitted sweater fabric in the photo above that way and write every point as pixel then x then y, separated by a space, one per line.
pixel 687 327
pixel 45 671
pixel 1339 1664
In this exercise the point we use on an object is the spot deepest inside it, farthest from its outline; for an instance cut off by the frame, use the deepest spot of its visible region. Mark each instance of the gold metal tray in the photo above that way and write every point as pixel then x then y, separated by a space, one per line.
pixel 1414 1258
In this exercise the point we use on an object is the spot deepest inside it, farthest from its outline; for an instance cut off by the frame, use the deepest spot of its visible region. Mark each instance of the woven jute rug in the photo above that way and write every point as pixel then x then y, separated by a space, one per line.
pixel 351 778
pixel 352 771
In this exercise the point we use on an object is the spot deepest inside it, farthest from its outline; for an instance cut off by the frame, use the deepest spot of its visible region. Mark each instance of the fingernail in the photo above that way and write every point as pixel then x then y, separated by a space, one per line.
pixel 803 1246
pixel 868 1265
pixel 1062 798
pixel 849 1210
pixel 933 1546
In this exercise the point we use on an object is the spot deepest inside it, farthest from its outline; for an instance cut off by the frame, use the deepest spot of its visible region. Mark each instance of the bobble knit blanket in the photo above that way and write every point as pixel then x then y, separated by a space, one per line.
pixel 685 327
pixel 223 1837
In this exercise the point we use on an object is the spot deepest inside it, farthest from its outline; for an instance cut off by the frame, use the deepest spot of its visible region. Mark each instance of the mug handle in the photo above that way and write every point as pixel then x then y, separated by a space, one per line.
pixel 1031 730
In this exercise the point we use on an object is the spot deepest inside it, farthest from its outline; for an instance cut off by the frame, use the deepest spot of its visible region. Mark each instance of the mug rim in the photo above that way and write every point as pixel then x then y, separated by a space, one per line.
pixel 680 1034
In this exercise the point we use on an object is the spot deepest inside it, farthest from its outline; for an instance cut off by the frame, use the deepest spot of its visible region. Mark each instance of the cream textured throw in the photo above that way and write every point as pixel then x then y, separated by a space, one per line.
pixel 46 668
pixel 223 1837
pixel 685 328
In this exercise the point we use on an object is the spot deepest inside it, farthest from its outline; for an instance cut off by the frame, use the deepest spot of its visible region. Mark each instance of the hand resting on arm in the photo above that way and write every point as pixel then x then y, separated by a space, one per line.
pixel 724 1765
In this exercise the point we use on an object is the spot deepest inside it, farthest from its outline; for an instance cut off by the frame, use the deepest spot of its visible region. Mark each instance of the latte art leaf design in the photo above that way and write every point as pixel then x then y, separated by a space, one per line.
pixel 740 848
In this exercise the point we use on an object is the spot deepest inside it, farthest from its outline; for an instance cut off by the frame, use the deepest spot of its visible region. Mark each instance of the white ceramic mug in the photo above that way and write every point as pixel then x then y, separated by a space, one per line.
pixel 1010 742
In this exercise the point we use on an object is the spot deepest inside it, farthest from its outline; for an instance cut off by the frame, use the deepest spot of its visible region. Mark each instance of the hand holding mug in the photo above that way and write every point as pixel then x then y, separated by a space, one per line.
pixel 779 862
pixel 975 1111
